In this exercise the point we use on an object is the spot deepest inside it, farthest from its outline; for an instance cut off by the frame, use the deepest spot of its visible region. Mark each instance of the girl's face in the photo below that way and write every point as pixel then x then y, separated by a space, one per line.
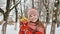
pixel 33 17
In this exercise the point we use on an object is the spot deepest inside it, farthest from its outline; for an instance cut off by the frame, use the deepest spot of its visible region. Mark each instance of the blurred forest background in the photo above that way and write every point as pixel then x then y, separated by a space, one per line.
pixel 11 11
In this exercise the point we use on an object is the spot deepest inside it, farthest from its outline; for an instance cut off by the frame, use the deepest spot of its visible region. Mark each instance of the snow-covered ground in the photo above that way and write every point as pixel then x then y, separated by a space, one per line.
pixel 10 29
pixel 57 30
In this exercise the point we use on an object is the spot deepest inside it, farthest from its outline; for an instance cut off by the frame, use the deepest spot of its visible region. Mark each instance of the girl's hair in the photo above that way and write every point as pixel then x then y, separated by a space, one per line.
pixel 38 24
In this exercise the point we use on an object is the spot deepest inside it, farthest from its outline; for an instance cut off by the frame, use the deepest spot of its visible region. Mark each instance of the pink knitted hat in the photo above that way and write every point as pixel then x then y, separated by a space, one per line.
pixel 32 11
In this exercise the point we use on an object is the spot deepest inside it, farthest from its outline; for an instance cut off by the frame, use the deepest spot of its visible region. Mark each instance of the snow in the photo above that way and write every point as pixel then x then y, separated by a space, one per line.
pixel 48 29
pixel 0 29
pixel 57 30
pixel 3 4
pixel 10 29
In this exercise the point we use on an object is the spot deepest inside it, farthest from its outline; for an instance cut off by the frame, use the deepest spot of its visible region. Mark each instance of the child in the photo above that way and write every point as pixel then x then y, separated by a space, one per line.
pixel 34 26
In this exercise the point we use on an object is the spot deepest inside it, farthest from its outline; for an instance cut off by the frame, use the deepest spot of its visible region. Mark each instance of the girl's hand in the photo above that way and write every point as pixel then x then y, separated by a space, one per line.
pixel 24 20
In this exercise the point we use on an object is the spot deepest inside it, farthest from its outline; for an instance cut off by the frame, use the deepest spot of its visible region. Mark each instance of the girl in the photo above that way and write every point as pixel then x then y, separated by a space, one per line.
pixel 34 26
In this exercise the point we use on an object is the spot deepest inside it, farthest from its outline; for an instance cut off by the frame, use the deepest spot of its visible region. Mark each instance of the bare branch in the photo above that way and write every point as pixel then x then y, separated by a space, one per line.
pixel 15 5
pixel 1 11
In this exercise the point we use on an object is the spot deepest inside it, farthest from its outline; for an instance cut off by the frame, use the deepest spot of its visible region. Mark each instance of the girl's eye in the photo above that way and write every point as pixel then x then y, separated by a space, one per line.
pixel 34 15
pixel 30 16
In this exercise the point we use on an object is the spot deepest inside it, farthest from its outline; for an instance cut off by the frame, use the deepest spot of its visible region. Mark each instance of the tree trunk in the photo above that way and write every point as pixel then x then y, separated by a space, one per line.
pixel 4 25
pixel 16 14
pixel 32 3
pixel 46 4
pixel 6 14
pixel 54 19
pixel 53 28
pixel 21 10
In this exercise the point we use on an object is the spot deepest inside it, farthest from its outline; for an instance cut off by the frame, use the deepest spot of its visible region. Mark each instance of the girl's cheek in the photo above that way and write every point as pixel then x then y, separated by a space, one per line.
pixel 30 18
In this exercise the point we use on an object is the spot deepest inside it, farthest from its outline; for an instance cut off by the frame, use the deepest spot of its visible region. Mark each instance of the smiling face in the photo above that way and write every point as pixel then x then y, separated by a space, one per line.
pixel 33 15
pixel 33 18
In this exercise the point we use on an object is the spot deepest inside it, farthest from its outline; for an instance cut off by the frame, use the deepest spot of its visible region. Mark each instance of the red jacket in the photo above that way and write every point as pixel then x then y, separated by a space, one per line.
pixel 28 28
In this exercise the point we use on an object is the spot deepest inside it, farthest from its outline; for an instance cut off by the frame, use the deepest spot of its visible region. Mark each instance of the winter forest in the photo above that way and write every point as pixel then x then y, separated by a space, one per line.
pixel 11 11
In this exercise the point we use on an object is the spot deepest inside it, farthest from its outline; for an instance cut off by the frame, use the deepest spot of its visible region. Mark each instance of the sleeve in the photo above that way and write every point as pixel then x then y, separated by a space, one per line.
pixel 23 27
